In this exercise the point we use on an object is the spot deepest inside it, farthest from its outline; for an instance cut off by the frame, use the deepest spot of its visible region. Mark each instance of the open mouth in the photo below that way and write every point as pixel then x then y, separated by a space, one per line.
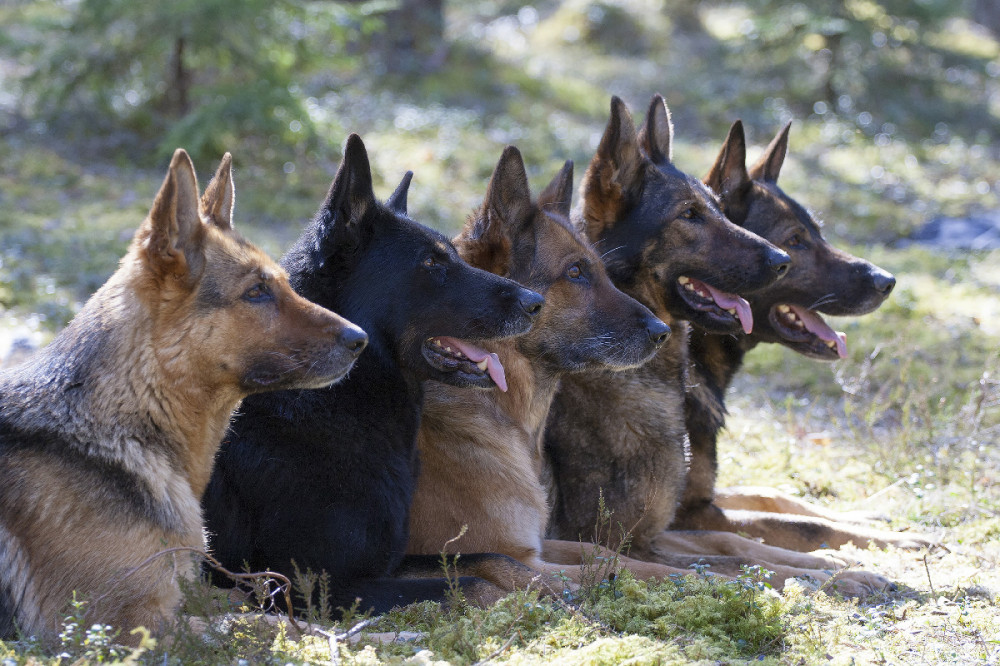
pixel 706 298
pixel 479 366
pixel 802 325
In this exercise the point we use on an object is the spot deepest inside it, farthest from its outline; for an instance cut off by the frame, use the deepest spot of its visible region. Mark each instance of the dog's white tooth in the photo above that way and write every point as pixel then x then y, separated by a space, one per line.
pixel 683 280
pixel 447 348
pixel 731 311
pixel 831 344
pixel 482 365
pixel 689 286
pixel 783 309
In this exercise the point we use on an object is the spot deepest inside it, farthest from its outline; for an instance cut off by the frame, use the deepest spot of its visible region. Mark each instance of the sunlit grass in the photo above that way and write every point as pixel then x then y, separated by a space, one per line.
pixel 907 425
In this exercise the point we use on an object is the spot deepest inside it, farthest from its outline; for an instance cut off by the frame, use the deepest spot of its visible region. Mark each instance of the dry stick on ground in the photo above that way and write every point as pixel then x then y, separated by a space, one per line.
pixel 332 638
pixel 927 568
pixel 285 585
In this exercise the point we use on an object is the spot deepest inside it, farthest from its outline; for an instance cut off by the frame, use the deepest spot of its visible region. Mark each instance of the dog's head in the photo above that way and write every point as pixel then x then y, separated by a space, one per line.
pixel 405 283
pixel 662 233
pixel 222 308
pixel 820 278
pixel 587 322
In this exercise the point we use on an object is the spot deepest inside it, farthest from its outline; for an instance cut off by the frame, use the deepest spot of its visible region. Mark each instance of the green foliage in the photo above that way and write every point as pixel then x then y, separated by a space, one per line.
pixel 200 74
pixel 810 55
pixel 740 617
pixel 907 425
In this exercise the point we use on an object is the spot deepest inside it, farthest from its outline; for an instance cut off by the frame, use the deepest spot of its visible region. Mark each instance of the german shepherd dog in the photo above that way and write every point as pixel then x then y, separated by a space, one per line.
pixel 623 435
pixel 107 435
pixel 323 479
pixel 821 278
pixel 481 452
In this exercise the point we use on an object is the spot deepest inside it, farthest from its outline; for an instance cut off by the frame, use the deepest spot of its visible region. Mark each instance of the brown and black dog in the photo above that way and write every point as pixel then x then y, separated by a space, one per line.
pixel 821 279
pixel 107 436
pixel 481 452
pixel 666 243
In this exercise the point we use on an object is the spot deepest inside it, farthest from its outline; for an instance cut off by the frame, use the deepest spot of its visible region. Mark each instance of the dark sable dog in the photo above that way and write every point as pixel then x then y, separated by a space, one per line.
pixel 821 279
pixel 324 478
pixel 667 244
pixel 481 452
pixel 107 435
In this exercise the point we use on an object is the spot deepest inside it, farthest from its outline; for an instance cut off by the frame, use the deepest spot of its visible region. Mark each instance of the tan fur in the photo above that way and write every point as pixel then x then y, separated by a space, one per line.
pixel 109 433
pixel 481 452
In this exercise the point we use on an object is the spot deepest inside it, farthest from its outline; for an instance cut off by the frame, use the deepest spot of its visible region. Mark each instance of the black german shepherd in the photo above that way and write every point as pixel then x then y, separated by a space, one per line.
pixel 324 479
pixel 821 278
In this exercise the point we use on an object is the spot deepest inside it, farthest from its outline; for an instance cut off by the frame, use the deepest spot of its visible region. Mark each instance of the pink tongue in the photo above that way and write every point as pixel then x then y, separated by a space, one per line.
pixel 726 301
pixel 815 325
pixel 475 354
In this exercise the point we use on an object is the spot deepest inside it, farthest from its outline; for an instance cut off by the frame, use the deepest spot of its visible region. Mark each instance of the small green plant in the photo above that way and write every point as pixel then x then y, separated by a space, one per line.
pixel 96 643
pixel 753 583
pixel 449 565
pixel 314 591
pixel 600 563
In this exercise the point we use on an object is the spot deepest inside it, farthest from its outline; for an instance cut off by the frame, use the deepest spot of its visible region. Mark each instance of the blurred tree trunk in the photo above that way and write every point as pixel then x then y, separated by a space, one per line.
pixel 414 37
pixel 987 13
pixel 180 82
pixel 684 14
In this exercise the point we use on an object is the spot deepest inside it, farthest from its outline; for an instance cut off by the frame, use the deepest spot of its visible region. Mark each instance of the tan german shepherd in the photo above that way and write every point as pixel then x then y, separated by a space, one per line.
pixel 481 451
pixel 107 435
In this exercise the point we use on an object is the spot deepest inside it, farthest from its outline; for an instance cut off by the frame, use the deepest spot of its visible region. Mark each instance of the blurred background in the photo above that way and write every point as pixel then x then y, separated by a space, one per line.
pixel 895 144
pixel 895 108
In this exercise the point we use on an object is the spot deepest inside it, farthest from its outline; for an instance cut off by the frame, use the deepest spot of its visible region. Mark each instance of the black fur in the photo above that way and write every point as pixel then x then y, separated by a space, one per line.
pixel 324 477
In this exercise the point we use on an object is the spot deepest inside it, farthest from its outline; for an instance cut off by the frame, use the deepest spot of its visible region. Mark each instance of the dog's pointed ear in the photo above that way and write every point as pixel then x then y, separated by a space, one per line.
pixel 657 135
pixel 487 238
pixel 397 200
pixel 508 196
pixel 173 230
pixel 769 164
pixel 220 196
pixel 614 175
pixel 619 146
pixel 558 195
pixel 728 177
pixel 350 197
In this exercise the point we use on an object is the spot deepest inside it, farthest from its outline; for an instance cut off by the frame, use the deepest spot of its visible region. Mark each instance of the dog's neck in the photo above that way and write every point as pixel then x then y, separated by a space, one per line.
pixel 516 417
pixel 718 357
pixel 115 384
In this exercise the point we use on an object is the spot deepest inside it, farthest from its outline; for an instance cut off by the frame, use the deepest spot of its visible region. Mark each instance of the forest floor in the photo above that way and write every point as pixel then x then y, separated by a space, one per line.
pixel 907 425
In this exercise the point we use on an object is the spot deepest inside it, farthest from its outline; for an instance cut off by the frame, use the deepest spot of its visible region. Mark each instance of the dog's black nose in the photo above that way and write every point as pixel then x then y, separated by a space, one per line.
pixel 779 262
pixel 531 302
pixel 883 281
pixel 658 331
pixel 354 339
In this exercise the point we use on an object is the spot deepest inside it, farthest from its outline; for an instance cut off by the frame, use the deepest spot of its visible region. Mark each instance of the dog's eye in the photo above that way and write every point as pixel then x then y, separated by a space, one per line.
pixel 689 214
pixel 257 293
pixel 574 272
pixel 430 262
pixel 794 241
